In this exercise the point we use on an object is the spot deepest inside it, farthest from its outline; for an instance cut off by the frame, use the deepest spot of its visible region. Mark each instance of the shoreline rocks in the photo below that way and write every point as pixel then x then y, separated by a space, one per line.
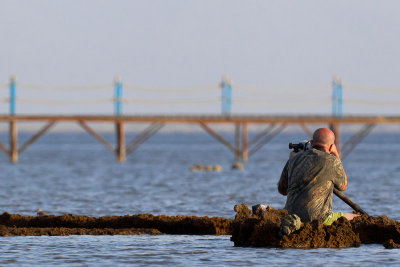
pixel 15 224
pixel 249 229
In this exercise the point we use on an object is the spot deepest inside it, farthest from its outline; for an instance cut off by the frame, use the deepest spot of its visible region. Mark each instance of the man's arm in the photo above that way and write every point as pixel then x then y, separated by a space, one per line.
pixel 283 181
pixel 341 169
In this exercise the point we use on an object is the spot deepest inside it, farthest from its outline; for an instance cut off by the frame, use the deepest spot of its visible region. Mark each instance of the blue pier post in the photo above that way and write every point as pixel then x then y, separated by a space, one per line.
pixel 13 94
pixel 226 97
pixel 118 96
pixel 119 125
pixel 13 133
pixel 337 109
pixel 337 97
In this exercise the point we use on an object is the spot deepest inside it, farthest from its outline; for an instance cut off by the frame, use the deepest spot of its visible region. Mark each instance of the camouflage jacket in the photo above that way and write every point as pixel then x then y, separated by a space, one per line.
pixel 309 178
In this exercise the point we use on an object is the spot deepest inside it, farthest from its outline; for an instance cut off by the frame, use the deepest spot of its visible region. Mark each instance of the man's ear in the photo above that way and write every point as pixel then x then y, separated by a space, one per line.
pixel 330 148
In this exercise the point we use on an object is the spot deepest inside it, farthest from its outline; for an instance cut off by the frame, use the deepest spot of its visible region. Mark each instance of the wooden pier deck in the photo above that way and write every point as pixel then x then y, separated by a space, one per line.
pixel 221 119
pixel 242 147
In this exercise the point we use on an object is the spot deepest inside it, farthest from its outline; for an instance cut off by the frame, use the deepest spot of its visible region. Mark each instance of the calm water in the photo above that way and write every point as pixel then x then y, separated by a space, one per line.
pixel 72 173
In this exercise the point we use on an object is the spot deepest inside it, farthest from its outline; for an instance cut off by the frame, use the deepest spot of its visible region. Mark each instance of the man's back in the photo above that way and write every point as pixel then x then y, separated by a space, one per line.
pixel 308 178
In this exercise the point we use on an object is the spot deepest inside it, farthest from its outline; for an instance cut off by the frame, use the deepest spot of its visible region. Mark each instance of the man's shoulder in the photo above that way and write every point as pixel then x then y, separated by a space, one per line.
pixel 323 154
pixel 327 158
pixel 313 155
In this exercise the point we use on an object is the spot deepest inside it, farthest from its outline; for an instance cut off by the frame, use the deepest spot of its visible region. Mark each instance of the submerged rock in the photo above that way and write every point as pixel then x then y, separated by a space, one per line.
pixel 237 166
pixel 208 168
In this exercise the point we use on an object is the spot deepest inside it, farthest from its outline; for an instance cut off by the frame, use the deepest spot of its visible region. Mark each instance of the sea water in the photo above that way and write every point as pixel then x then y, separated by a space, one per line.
pixel 73 173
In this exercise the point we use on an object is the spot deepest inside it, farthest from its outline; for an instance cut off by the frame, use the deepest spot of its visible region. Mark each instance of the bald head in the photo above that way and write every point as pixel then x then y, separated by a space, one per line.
pixel 324 138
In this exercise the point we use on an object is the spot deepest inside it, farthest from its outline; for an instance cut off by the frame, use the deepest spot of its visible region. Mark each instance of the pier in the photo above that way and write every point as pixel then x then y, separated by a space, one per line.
pixel 242 147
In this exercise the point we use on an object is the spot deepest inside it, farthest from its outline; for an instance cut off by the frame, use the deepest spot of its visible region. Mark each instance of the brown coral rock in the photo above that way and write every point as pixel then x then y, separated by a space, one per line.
pixel 391 244
pixel 15 224
pixel 263 232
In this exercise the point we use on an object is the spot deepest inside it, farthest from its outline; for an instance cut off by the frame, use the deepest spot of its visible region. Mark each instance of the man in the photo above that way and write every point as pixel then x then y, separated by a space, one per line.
pixel 308 179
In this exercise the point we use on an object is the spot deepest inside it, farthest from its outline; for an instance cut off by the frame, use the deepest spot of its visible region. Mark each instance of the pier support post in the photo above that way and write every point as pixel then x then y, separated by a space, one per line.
pixel 121 147
pixel 119 125
pixel 337 109
pixel 241 142
pixel 245 153
pixel 13 123
pixel 237 143
pixel 13 141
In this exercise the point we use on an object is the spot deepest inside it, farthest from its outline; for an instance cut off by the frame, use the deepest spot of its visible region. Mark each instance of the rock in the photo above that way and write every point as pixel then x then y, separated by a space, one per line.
pixel 289 224
pixel 260 209
pixel 67 224
pixel 218 168
pixel 391 244
pixel 40 212
pixel 208 168
pixel 237 166
pixel 242 211
pixel 197 167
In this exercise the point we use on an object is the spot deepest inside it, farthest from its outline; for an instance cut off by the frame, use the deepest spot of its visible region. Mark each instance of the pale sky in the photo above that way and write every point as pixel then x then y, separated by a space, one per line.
pixel 265 45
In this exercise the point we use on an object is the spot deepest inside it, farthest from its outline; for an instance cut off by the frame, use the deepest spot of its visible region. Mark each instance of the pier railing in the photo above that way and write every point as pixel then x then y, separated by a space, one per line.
pixel 221 103
pixel 225 98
